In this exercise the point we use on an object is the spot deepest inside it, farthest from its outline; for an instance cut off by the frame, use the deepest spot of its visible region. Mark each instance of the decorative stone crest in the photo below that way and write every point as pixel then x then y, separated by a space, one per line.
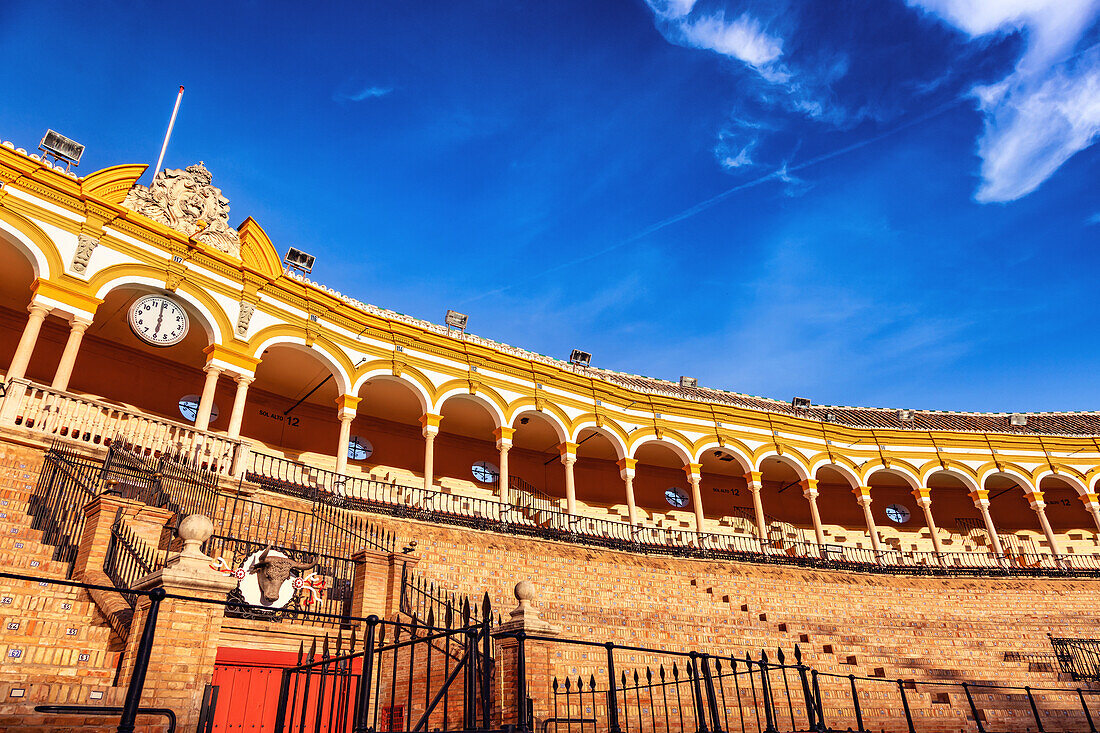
pixel 85 245
pixel 186 201
pixel 244 316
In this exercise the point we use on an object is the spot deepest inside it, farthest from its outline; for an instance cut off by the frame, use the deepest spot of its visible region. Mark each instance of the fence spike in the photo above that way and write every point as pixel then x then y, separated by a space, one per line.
pixel 381 634
pixel 592 683
pixel 555 685
pixel 339 642
pixel 313 650
pixel 636 679
pixel 486 608
pixel 568 685
pixel 797 654
pixel 449 618
pixel 675 672
pixel 661 673
pixel 649 674
pixel 301 651
pixel 324 648
pixel 580 683
pixel 431 618
pixel 465 611
pixel 764 656
pixel 779 655
pixel 624 678
pixel 718 665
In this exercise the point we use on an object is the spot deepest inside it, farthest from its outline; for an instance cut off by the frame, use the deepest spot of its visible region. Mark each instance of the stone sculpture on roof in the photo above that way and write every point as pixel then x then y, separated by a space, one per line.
pixel 185 201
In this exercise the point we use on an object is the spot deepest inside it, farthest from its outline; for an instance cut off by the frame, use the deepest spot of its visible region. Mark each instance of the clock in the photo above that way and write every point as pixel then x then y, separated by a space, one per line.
pixel 158 320
pixel 898 513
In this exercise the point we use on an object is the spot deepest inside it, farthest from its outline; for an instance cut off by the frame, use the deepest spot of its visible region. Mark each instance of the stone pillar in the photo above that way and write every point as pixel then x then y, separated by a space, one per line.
pixel 206 402
pixel 18 367
pixel 809 490
pixel 376 584
pixel 1092 505
pixel 77 326
pixel 626 470
pixel 924 501
pixel 188 633
pixel 1035 498
pixel 504 444
pixel 569 459
pixel 754 479
pixel 346 405
pixel 237 416
pixel 100 514
pixel 695 479
pixel 981 501
pixel 863 496
pixel 535 671
pixel 430 428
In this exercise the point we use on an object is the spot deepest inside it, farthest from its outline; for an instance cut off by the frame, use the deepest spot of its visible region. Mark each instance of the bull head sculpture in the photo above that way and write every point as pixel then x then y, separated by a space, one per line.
pixel 271 572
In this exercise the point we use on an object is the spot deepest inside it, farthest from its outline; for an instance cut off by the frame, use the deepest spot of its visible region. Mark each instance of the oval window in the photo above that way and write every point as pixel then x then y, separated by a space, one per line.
pixel 485 472
pixel 359 448
pixel 189 408
pixel 676 496
pixel 897 513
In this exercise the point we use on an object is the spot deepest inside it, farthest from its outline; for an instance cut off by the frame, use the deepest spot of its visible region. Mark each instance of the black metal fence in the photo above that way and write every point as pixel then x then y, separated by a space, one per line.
pixel 128 558
pixel 538 517
pixel 67 482
pixel 422 598
pixel 1079 658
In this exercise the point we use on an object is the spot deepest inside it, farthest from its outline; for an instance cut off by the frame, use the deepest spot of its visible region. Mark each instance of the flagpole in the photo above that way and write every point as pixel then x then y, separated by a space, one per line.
pixel 167 135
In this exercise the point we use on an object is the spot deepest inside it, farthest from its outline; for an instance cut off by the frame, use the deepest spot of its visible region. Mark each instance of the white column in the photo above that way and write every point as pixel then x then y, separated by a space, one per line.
pixel 569 459
pixel 237 416
pixel 863 496
pixel 626 470
pixel 695 479
pixel 809 490
pixel 430 425
pixel 77 326
pixel 345 418
pixel 981 501
pixel 206 402
pixel 504 444
pixel 1092 505
pixel 1035 498
pixel 18 367
pixel 924 501
pixel 754 479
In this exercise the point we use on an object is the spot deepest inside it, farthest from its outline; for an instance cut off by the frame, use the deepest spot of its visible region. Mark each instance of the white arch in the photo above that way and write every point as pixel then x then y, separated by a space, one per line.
pixel 559 428
pixel 843 470
pixel 967 480
pixel 388 375
pixel 612 437
pixel 1073 481
pixel 675 447
pixel 492 407
pixel 911 478
pixel 157 286
pixel 799 469
pixel 742 459
pixel 299 343
pixel 1023 480
pixel 27 248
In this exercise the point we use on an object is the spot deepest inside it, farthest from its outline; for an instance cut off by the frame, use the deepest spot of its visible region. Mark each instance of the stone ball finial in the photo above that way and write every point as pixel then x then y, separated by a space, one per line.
pixel 195 528
pixel 525 592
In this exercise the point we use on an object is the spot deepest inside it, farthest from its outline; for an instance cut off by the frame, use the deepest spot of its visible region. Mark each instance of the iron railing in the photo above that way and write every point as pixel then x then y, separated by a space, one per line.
pixel 422 598
pixel 532 517
pixel 128 558
pixel 66 483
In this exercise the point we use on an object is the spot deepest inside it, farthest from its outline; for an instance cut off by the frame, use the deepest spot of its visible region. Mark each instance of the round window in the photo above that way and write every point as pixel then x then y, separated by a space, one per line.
pixel 485 472
pixel 897 513
pixel 359 448
pixel 189 408
pixel 676 496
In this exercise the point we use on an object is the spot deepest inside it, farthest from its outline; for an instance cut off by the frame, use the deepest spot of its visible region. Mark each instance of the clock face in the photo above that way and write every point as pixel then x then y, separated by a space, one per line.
pixel 897 513
pixel 158 320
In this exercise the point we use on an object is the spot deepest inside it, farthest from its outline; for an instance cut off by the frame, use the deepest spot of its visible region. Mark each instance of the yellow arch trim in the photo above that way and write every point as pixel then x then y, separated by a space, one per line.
pixel 386 365
pixel 297 333
pixel 222 327
pixel 483 390
pixel 520 404
pixel 588 420
pixel 36 235
pixel 711 442
pixel 949 466
pixel 257 250
pixel 869 467
pixel 112 184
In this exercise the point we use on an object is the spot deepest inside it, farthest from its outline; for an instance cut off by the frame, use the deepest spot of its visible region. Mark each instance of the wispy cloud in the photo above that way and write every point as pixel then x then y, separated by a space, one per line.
pixel 1045 110
pixel 1094 219
pixel 362 94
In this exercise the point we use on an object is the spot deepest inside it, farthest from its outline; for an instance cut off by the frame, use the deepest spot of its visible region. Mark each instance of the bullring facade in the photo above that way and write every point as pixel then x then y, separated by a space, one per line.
pixel 268 379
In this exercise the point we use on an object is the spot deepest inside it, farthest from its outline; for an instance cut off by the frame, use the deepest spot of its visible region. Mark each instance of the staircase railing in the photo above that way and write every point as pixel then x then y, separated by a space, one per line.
pixel 1079 658
pixel 129 558
pixel 67 482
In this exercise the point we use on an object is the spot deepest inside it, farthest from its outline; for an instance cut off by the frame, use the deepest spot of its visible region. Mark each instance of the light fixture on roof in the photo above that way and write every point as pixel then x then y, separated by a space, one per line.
pixel 454 319
pixel 905 415
pixel 801 403
pixel 580 358
pixel 830 417
pixel 689 382
pixel 61 148
pixel 299 260
pixel 1017 419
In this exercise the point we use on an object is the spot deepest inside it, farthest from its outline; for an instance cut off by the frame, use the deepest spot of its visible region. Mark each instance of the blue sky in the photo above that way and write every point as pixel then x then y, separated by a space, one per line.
pixel 872 202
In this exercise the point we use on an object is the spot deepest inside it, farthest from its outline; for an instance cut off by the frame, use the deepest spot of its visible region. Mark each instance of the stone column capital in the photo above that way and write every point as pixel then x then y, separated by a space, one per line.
pixel 980 497
pixel 693 471
pixel 863 494
pixel 627 467
pixel 754 479
pixel 215 369
pixel 39 310
pixel 1035 498
pixel 1090 500
pixel 79 324
pixel 504 435
pixel 244 379
pixel 430 423
pixel 568 452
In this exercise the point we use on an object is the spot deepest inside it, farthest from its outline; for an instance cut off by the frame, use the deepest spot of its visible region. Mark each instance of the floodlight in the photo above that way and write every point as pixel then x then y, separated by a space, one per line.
pixel 801 403
pixel 905 415
pixel 830 417
pixel 61 147
pixel 689 382
pixel 454 319
pixel 1017 419
pixel 299 260
pixel 580 358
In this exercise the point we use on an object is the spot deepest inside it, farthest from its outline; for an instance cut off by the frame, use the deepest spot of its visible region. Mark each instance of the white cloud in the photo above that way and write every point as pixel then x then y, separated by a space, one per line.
pixel 743 39
pixel 1048 108
pixel 672 8
pixel 370 92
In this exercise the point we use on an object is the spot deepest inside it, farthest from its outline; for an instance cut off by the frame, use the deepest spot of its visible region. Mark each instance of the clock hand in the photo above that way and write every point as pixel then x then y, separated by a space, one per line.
pixel 160 317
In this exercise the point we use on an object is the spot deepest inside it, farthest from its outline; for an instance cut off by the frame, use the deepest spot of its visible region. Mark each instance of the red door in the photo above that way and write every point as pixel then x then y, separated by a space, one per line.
pixel 248 688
